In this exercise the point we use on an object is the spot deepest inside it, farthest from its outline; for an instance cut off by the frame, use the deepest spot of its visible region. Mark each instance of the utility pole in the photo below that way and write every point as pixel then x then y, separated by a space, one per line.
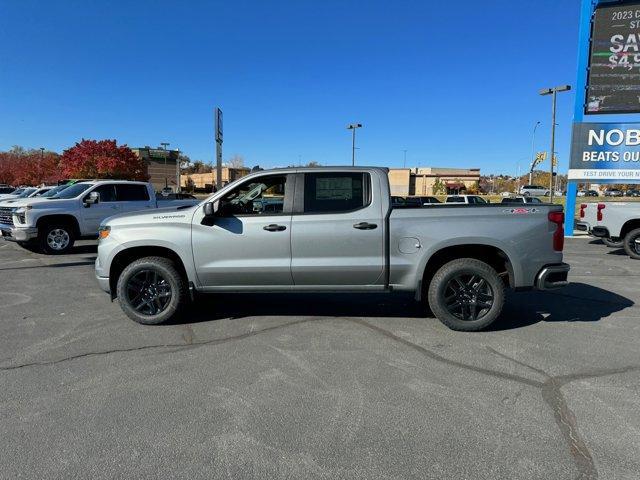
pixel 553 92
pixel 352 127
pixel 164 146
pixel 218 132
pixel 533 152
pixel 178 171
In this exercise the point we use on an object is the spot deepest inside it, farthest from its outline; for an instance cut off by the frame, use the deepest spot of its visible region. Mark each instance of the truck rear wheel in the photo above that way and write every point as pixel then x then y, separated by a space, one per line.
pixel 151 290
pixel 632 244
pixel 56 238
pixel 466 294
pixel 613 242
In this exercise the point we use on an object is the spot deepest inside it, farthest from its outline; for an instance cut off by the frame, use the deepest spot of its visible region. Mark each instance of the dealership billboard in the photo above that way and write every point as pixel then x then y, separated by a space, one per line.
pixel 605 151
pixel 613 85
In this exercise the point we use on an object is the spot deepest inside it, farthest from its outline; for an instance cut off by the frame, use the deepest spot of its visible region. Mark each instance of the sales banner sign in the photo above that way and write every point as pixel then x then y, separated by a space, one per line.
pixel 605 151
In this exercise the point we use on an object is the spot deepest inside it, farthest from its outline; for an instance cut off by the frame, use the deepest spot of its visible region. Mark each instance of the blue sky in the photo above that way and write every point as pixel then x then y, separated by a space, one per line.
pixel 454 83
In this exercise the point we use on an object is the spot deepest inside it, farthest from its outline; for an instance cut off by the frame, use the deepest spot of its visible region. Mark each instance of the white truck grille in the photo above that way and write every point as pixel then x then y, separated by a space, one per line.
pixel 6 217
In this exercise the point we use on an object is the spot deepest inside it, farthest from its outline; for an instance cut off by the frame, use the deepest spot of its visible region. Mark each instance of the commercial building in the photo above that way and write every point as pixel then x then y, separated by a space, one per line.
pixel 204 182
pixel 432 181
pixel 161 166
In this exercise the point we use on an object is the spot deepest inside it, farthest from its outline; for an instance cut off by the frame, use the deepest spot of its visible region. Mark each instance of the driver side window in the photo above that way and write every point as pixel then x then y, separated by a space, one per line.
pixel 262 196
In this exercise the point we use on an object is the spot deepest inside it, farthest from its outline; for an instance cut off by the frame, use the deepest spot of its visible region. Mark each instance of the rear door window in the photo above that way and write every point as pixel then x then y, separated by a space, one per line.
pixel 132 193
pixel 336 192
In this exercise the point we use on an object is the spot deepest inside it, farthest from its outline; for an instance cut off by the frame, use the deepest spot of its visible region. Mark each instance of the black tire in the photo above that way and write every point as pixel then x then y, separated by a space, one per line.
pixel 630 245
pixel 613 243
pixel 56 238
pixel 151 290
pixel 461 287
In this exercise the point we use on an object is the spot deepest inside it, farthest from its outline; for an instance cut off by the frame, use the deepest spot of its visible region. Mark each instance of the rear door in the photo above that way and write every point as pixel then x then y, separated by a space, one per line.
pixel 132 197
pixel 337 230
pixel 92 215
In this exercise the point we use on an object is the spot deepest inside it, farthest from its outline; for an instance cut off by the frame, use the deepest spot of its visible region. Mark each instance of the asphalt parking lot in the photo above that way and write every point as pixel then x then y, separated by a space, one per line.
pixel 318 386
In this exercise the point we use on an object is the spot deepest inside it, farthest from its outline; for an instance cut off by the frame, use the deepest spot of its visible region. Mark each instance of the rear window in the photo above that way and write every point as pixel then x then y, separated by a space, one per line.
pixel 132 193
pixel 335 192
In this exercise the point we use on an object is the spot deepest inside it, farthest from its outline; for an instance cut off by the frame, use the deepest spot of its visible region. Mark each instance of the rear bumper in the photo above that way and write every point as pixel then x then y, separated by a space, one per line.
pixel 600 232
pixel 553 276
pixel 18 234
pixel 583 226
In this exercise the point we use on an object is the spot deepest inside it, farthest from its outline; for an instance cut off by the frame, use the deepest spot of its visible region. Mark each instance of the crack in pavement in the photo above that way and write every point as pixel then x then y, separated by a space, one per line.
pixel 175 346
pixel 550 390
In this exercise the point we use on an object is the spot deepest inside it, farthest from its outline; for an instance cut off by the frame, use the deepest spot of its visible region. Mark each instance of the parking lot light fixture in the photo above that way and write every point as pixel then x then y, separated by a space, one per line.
pixel 353 127
pixel 553 92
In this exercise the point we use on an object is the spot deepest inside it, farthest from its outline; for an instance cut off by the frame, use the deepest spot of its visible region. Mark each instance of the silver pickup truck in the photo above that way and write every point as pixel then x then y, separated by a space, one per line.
pixel 327 230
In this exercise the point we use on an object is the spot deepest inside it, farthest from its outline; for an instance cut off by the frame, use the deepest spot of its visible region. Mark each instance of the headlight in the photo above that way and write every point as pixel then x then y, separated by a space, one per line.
pixel 103 232
pixel 21 213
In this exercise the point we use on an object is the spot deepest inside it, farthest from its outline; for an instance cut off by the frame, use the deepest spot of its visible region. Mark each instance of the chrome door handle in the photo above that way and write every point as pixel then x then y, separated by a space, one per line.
pixel 274 228
pixel 365 226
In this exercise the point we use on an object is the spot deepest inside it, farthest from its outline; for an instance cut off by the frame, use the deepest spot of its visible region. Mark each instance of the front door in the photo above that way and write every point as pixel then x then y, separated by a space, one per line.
pixel 107 206
pixel 337 235
pixel 248 242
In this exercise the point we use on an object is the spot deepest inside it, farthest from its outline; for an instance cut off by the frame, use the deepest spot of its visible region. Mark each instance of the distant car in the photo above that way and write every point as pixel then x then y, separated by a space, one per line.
pixel 614 192
pixel 179 196
pixel 406 202
pixel 467 199
pixel 506 194
pixel 166 191
pixel 632 193
pixel 6 189
pixel 23 192
pixel 429 200
pixel 533 191
pixel 591 193
pixel 520 200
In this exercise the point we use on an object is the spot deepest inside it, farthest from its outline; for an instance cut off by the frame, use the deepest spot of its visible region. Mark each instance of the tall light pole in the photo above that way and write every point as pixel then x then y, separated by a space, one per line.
pixel 404 162
pixel 553 92
pixel 352 127
pixel 533 151
pixel 164 146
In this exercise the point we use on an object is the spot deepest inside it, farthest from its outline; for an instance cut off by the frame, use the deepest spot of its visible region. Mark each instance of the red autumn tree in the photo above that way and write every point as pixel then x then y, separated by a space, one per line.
pixel 102 159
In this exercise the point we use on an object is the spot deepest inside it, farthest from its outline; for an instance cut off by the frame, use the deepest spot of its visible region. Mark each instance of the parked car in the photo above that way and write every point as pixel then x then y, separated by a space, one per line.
pixel 23 192
pixel 76 212
pixel 6 189
pixel 591 193
pixel 632 193
pixel 614 192
pixel 533 191
pixel 336 232
pixel 617 222
pixel 467 199
pixel 405 202
pixel 429 200
pixel 520 200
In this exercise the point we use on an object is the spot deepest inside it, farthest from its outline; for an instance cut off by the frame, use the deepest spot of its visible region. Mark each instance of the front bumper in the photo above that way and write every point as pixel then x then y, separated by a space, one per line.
pixel 553 276
pixel 103 281
pixel 18 234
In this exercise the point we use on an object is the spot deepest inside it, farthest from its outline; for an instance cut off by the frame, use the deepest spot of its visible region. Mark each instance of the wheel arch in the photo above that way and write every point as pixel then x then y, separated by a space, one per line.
pixel 494 256
pixel 628 226
pixel 62 219
pixel 131 254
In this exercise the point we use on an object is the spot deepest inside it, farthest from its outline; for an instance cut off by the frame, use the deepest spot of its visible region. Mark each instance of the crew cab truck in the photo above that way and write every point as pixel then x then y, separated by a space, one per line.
pixel 54 223
pixel 615 222
pixel 328 230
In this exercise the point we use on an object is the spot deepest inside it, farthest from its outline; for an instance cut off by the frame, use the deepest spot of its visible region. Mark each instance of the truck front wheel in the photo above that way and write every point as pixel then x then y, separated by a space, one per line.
pixel 632 244
pixel 466 295
pixel 151 290
pixel 56 239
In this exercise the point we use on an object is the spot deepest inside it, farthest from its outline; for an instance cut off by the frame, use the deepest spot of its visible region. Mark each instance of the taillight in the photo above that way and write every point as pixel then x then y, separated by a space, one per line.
pixel 583 206
pixel 558 235
pixel 601 206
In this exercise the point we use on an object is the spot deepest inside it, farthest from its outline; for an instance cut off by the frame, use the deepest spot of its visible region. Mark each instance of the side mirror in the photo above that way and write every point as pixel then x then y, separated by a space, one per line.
pixel 210 209
pixel 92 199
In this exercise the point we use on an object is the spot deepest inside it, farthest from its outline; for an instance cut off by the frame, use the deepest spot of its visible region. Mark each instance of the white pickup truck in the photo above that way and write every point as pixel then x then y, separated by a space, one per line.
pixel 76 212
pixel 616 223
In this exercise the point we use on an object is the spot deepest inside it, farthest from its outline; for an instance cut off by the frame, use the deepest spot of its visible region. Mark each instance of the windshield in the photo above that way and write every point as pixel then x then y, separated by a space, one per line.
pixel 73 191
pixel 26 192
pixel 54 191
